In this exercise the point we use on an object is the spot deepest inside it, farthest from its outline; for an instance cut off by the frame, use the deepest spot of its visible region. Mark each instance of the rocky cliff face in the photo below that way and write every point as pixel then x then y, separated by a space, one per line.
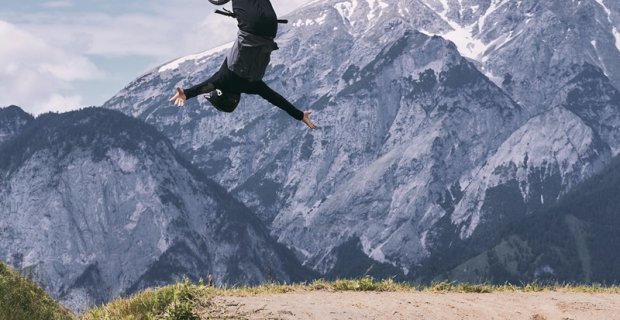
pixel 530 47
pixel 568 243
pixel 549 155
pixel 422 142
pixel 95 204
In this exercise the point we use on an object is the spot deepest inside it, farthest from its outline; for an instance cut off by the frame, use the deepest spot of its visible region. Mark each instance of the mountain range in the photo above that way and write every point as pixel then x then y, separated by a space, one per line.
pixel 96 204
pixel 458 139
pixel 423 142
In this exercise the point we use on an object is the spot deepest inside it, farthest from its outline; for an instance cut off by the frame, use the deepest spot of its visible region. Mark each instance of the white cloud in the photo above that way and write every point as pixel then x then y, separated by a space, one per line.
pixel 133 34
pixel 286 6
pixel 57 4
pixel 33 70
pixel 215 29
pixel 211 32
pixel 38 76
pixel 163 32
pixel 60 103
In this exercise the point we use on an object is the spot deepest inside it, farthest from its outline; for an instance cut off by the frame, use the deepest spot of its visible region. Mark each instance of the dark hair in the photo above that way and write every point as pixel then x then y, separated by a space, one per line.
pixel 219 2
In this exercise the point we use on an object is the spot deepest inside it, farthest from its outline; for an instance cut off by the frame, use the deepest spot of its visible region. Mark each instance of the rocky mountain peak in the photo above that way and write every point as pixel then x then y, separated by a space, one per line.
pixel 96 204
pixel 12 120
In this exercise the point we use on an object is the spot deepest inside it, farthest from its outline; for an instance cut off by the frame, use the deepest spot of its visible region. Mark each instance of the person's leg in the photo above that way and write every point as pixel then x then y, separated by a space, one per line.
pixel 256 17
pixel 262 89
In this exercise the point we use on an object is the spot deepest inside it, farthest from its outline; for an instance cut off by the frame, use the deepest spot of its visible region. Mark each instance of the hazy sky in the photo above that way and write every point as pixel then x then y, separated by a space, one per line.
pixel 61 55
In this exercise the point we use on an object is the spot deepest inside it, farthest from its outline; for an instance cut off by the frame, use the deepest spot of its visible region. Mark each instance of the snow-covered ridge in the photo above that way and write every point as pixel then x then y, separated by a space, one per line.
pixel 177 63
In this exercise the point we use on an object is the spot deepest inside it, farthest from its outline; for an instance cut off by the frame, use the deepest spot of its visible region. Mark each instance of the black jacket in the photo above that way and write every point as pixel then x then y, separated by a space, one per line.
pixel 227 81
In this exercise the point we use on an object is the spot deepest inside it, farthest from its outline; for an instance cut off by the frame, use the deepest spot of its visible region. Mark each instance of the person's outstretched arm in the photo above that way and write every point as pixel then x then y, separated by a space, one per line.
pixel 202 88
pixel 182 95
pixel 279 101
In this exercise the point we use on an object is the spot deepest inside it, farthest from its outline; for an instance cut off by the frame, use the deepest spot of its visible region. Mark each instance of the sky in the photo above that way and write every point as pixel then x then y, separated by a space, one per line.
pixel 59 55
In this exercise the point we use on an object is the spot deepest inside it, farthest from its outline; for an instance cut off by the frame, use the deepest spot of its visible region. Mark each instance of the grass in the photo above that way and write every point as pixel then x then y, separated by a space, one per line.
pixel 448 287
pixel 178 302
pixel 174 302
pixel 20 298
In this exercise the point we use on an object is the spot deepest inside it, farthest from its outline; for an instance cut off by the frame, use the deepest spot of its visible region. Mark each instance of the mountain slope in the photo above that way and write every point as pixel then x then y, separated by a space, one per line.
pixel 569 242
pixel 96 204
pixel 531 46
pixel 20 299
pixel 548 156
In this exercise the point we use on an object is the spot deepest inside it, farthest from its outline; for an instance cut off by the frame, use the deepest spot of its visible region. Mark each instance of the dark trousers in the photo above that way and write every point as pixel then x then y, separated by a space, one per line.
pixel 256 17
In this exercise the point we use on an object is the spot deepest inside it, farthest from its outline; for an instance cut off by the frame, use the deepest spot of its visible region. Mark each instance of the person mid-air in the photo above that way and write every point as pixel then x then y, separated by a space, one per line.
pixel 244 67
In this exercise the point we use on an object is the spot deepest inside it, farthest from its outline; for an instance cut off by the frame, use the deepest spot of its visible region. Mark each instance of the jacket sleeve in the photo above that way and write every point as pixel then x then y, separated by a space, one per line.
pixel 202 88
pixel 277 100
pixel 208 85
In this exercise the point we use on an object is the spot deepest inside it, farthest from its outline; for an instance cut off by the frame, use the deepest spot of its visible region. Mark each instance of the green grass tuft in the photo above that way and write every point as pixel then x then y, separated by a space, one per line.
pixel 365 284
pixel 447 286
pixel 174 302
pixel 20 298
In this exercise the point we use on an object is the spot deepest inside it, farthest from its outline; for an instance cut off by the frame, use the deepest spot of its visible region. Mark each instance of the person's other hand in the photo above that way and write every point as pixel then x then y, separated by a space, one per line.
pixel 179 98
pixel 307 120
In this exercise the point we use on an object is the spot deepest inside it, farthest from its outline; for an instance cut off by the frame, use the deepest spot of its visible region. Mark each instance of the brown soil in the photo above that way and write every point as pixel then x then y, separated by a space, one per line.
pixel 418 305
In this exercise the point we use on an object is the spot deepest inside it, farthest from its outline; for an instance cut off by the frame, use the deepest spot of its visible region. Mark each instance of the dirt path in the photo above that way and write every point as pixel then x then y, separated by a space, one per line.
pixel 323 305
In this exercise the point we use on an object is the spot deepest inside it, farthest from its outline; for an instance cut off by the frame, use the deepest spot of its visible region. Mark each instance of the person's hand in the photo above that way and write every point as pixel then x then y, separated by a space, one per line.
pixel 307 120
pixel 179 98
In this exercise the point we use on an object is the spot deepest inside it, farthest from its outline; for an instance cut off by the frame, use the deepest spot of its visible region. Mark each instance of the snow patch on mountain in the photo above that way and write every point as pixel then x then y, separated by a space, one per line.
pixel 346 9
pixel 463 36
pixel 308 22
pixel 468 44
pixel 605 8
pixel 495 4
pixel 176 63
pixel 376 8
pixel 609 18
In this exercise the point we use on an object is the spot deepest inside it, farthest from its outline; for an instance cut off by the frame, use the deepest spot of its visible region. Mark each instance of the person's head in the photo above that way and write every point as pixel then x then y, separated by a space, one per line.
pixel 223 101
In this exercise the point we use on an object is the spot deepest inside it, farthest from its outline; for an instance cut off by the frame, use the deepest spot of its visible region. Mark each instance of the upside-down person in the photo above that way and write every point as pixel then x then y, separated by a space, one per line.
pixel 244 67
